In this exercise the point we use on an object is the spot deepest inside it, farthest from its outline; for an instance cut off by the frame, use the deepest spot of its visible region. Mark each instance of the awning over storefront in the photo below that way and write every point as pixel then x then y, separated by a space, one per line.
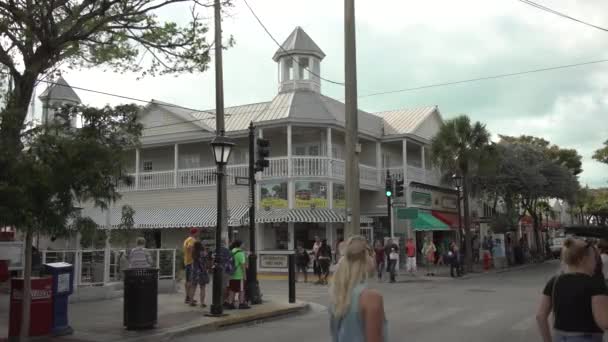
pixel 303 215
pixel 427 222
pixel 156 218
pixel 450 219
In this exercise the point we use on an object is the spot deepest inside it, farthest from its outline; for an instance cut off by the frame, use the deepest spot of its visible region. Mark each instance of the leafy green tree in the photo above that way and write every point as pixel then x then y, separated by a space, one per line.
pixel 459 148
pixel 61 166
pixel 601 155
pixel 568 158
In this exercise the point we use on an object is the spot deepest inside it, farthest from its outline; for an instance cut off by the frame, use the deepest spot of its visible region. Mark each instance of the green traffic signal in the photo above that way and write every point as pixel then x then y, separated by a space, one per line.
pixel 389 193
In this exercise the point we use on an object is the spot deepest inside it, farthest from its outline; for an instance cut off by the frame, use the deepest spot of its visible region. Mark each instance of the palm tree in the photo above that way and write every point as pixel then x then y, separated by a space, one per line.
pixel 459 148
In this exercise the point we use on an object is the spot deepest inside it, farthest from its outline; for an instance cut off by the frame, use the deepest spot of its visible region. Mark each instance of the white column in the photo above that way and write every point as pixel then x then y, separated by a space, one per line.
pixel 329 153
pixel 175 163
pixel 78 261
pixel 330 195
pixel 107 249
pixel 379 162
pixel 290 236
pixel 289 161
pixel 137 169
pixel 329 235
pixel 405 161
pixel 423 148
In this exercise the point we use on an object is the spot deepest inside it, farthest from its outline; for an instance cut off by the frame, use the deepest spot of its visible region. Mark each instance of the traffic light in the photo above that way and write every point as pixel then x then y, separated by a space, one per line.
pixel 399 188
pixel 389 187
pixel 263 152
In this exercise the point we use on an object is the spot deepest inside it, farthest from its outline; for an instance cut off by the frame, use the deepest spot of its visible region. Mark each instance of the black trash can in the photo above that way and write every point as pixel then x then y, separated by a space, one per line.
pixel 140 298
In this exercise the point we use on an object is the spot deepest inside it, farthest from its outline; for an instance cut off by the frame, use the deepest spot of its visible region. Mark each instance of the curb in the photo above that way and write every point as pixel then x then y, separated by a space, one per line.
pixel 193 328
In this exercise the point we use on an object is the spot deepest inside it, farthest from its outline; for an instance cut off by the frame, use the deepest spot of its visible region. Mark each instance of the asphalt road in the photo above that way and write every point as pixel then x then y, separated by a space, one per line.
pixel 489 307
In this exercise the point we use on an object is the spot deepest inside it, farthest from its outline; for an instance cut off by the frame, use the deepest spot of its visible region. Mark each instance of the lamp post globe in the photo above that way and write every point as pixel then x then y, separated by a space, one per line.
pixel 221 147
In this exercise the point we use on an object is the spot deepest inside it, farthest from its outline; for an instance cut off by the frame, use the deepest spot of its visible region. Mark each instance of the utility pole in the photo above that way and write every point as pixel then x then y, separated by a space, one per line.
pixel 351 117
pixel 217 306
pixel 253 286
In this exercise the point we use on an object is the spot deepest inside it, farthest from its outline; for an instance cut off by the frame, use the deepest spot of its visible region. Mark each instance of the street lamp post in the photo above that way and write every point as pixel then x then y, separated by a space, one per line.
pixel 458 185
pixel 221 147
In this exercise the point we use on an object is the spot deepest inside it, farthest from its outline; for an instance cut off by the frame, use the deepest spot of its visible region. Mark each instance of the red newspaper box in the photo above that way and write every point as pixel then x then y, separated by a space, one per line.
pixel 41 309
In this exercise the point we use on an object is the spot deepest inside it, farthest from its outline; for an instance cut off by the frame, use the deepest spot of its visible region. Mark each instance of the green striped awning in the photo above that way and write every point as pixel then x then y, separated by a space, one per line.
pixel 428 222
pixel 317 215
pixel 270 216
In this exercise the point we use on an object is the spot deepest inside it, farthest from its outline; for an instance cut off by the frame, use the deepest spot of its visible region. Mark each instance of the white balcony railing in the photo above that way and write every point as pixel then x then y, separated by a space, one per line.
pixel 301 166
pixel 156 180
pixel 310 166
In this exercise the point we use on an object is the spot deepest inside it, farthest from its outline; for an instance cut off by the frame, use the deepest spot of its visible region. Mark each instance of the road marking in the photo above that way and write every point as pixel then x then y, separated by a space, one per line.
pixel 482 318
pixel 525 324
pixel 438 315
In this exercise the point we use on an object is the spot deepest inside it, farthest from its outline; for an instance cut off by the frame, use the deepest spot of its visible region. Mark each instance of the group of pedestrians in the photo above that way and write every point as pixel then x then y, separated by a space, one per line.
pixel 199 262
pixel 321 257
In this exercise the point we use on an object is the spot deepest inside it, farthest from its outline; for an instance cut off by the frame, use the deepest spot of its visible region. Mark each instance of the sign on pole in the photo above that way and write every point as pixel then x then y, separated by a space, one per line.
pixel 241 180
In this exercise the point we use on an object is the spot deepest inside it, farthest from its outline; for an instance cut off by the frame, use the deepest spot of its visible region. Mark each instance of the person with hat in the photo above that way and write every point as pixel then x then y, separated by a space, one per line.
pixel 188 247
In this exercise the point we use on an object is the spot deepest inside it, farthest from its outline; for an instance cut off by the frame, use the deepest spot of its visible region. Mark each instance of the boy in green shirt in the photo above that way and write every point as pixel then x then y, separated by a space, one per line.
pixel 237 281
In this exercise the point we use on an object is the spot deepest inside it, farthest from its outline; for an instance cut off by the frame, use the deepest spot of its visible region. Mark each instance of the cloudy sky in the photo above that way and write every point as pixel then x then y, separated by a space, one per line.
pixel 407 43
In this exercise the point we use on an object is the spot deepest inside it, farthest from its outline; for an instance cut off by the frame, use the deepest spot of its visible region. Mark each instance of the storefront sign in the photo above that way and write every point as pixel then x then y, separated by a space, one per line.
pixel 311 194
pixel 421 198
pixel 449 202
pixel 273 195
pixel 273 261
pixel 407 213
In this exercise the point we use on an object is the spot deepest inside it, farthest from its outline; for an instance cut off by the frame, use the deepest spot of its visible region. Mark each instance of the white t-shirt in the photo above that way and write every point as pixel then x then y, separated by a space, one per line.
pixel 605 264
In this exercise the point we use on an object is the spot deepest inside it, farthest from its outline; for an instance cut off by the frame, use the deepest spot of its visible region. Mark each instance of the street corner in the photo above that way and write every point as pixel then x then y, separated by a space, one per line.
pixel 269 310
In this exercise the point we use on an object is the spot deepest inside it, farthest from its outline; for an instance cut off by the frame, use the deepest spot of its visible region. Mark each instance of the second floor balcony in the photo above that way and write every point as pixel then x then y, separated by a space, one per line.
pixel 370 177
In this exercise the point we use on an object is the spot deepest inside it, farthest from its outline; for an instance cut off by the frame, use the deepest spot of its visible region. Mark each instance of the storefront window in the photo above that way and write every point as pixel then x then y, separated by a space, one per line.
pixel 311 194
pixel 276 236
pixel 304 233
pixel 273 195
pixel 339 196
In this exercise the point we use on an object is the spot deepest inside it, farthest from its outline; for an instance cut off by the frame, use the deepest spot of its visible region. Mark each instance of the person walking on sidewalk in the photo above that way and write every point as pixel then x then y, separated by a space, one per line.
pixel 188 247
pixel 578 301
pixel 200 275
pixel 410 250
pixel 356 312
pixel 380 258
pixel 393 258
pixel 315 258
pixel 302 262
pixel 324 261
pixel 428 250
pixel 237 281
pixel 455 260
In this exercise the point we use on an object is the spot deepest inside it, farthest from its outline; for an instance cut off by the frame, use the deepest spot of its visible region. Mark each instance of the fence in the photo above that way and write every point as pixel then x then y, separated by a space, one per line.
pixel 90 265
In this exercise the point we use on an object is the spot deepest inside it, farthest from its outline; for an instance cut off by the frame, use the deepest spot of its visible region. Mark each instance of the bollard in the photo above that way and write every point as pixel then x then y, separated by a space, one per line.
pixel 292 278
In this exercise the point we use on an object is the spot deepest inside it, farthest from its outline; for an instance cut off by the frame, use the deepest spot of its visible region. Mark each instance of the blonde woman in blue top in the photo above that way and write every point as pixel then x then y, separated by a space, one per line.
pixel 356 312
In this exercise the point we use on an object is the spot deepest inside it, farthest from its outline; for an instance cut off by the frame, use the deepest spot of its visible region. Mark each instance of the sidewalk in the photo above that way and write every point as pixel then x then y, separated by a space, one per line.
pixel 102 321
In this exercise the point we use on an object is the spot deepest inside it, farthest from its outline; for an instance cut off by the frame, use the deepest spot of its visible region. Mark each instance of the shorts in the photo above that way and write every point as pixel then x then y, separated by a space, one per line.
pixel 236 285
pixel 302 268
pixel 188 270
pixel 324 266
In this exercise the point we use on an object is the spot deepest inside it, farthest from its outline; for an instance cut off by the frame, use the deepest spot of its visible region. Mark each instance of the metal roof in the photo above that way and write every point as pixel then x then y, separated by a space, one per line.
pixel 60 90
pixel 299 42
pixel 405 121
pixel 187 115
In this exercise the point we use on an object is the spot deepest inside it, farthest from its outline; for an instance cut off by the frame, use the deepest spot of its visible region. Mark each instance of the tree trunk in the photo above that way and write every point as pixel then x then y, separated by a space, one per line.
pixel 27 288
pixel 468 257
pixel 15 113
pixel 536 228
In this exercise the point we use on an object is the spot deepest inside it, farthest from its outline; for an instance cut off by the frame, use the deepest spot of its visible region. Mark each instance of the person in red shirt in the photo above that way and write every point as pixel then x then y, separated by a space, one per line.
pixel 380 257
pixel 410 250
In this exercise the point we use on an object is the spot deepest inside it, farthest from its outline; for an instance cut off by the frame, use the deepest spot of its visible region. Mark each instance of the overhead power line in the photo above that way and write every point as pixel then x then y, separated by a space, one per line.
pixel 126 97
pixel 484 78
pixel 281 47
pixel 388 92
pixel 563 15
